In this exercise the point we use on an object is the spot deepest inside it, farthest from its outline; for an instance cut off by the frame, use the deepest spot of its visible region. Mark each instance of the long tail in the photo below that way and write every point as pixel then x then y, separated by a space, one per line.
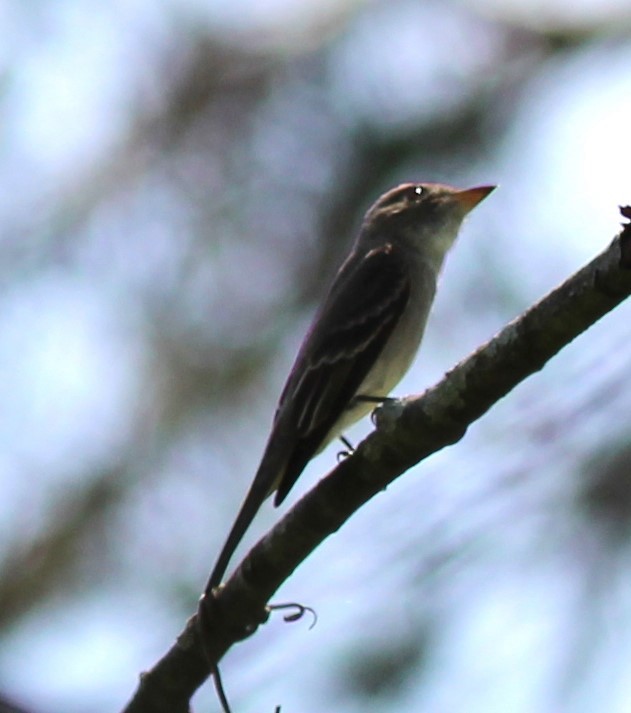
pixel 264 484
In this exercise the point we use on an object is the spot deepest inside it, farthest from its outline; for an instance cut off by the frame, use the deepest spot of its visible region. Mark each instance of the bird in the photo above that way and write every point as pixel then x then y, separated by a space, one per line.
pixel 362 339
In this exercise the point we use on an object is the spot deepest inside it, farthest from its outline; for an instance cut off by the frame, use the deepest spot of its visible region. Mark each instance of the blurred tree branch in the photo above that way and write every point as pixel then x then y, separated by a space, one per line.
pixel 408 431
pixel 47 564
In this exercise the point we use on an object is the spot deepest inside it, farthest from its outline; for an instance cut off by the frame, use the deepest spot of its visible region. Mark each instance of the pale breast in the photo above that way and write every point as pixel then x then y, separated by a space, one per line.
pixel 398 354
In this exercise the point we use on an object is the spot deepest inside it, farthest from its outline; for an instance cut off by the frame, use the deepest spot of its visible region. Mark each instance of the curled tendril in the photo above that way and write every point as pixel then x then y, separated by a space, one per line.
pixel 348 450
pixel 299 611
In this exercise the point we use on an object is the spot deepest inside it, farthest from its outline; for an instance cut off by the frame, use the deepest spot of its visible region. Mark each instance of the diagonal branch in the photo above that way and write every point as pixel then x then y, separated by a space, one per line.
pixel 407 432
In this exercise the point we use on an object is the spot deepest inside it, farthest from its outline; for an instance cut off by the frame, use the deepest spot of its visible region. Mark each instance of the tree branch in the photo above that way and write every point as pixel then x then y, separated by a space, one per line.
pixel 407 432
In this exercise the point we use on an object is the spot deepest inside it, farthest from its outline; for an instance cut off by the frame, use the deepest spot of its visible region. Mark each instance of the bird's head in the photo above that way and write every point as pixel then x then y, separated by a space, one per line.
pixel 426 214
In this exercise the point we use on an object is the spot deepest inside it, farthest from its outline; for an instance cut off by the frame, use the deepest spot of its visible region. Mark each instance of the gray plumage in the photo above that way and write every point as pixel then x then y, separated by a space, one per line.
pixel 363 338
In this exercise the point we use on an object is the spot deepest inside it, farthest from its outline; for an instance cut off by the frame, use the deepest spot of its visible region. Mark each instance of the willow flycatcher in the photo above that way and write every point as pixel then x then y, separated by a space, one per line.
pixel 362 339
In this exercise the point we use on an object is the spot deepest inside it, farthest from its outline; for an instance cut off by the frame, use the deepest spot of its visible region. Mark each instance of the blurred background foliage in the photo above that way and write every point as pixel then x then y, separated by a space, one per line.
pixel 178 181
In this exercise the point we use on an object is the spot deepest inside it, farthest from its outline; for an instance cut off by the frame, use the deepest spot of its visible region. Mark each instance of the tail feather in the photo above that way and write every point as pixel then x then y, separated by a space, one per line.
pixel 283 461
pixel 267 477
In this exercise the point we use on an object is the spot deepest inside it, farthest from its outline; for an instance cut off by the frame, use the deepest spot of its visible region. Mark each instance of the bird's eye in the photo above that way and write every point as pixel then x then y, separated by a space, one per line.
pixel 418 190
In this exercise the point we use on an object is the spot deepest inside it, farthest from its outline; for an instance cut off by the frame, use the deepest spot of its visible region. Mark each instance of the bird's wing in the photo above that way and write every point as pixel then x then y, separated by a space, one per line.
pixel 354 324
pixel 348 334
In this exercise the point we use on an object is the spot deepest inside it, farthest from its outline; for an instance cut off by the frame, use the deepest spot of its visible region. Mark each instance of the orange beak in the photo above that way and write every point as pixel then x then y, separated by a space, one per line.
pixel 470 197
